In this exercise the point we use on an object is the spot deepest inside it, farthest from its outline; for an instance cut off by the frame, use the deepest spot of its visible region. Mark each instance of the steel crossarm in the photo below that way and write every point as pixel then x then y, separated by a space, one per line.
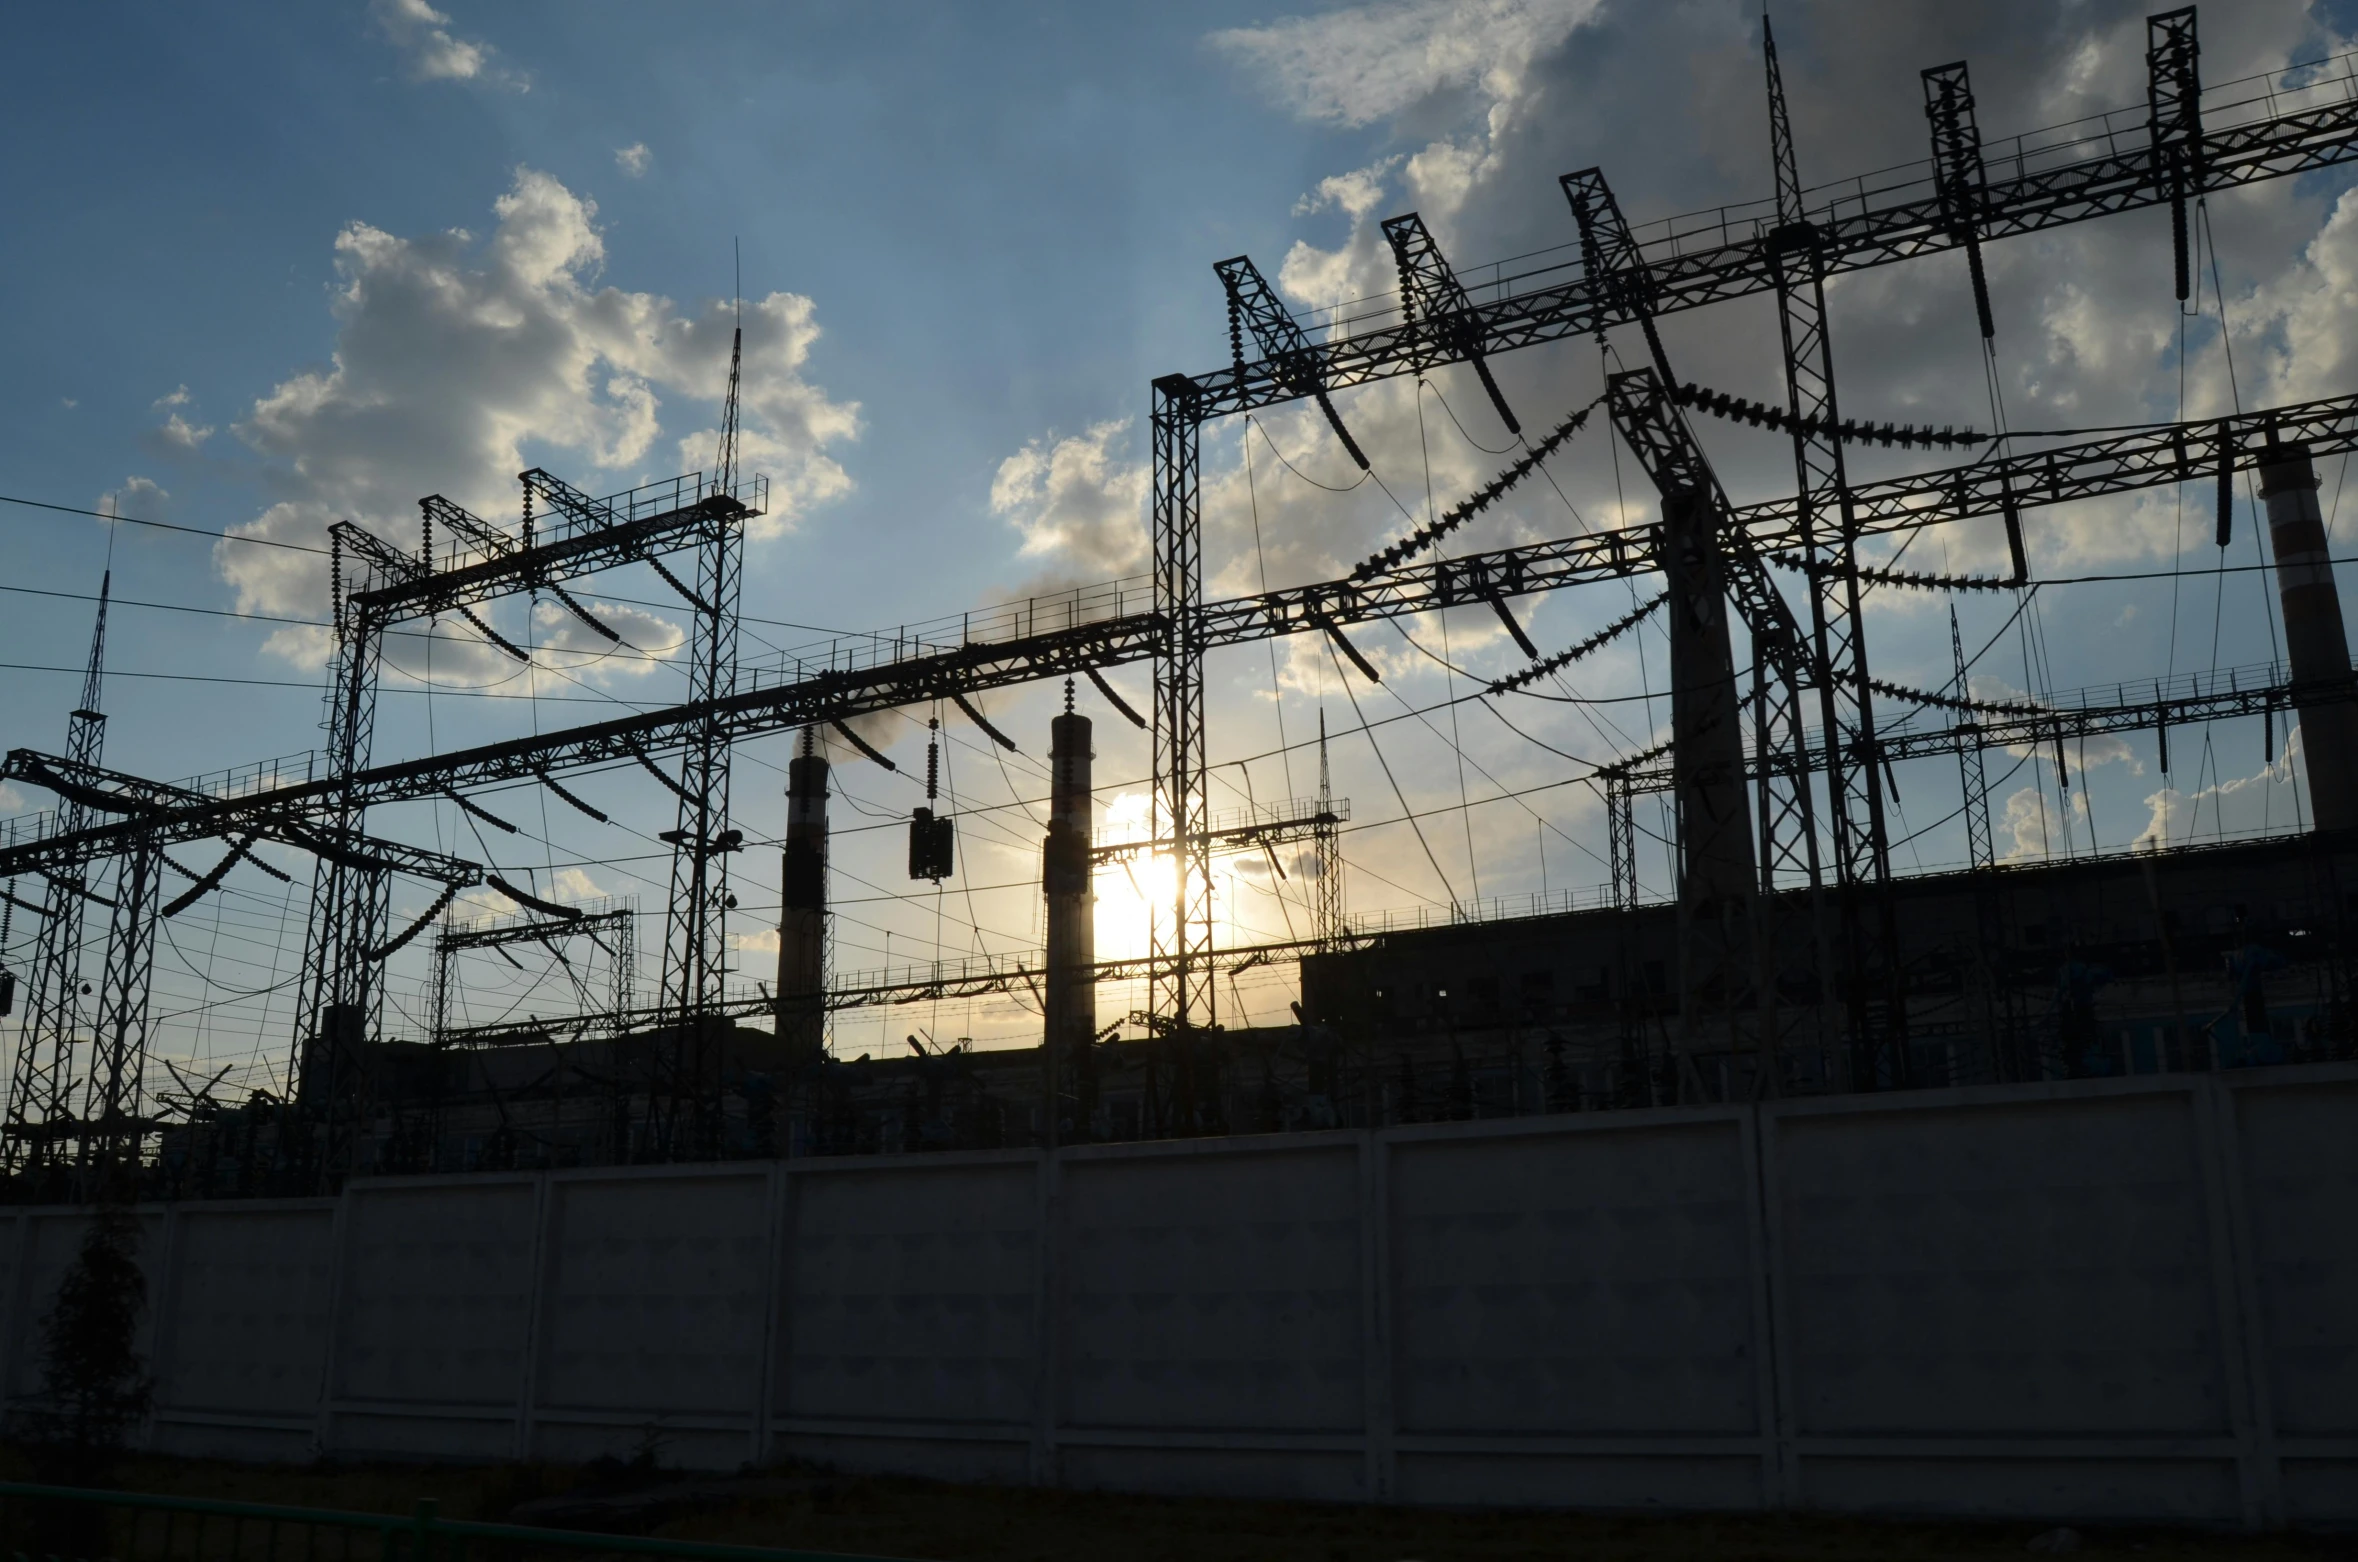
pixel 1852 238
pixel 1274 829
pixel 579 552
pixel 471 529
pixel 172 814
pixel 94 786
pixel 2118 463
pixel 369 853
pixel 2113 464
pixel 978 977
pixel 1991 728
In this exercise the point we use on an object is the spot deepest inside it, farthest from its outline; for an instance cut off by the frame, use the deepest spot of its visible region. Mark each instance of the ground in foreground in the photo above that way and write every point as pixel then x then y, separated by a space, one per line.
pixel 807 1509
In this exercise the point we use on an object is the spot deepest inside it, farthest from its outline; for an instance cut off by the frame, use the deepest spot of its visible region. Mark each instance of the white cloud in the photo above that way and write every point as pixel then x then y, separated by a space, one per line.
pixel 453 355
pixel 177 430
pixel 572 884
pixel 2311 313
pixel 431 52
pixel 141 497
pixel 584 650
pixel 70 402
pixel 2271 799
pixel 1363 63
pixel 1356 193
pixel 634 159
pixel 1079 505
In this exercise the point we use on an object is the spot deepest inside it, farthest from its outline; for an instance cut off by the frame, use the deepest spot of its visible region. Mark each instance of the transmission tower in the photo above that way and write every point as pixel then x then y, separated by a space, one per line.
pixel 684 1109
pixel 1327 922
pixel 1869 932
pixel 41 1088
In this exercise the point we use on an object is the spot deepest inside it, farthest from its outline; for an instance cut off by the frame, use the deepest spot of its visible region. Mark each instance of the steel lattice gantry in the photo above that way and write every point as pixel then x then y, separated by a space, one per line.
pixel 2183 162
pixel 565 534
pixel 918 674
pixel 1792 253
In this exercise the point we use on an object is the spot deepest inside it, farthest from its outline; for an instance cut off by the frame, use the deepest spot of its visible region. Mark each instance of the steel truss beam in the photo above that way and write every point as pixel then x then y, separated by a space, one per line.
pixel 2115 464
pixel 1245 830
pixel 1851 237
pixel 975 977
pixel 614 931
pixel 1991 727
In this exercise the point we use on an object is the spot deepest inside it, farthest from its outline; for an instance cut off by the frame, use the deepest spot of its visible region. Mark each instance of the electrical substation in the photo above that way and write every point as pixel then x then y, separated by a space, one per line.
pixel 1796 1030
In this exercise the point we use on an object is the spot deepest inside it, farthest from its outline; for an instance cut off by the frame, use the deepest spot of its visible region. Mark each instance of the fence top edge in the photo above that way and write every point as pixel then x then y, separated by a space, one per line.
pixel 579 1540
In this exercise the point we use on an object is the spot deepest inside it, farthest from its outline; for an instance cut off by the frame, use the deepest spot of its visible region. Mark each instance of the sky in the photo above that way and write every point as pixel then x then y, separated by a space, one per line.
pixel 276 266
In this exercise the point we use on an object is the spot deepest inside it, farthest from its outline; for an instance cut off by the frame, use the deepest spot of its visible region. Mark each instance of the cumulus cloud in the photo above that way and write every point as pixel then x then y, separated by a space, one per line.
pixel 570 886
pixel 1475 107
pixel 177 431
pixel 1079 503
pixel 646 638
pixel 1363 63
pixel 2271 799
pixel 141 497
pixel 453 354
pixel 430 51
pixel 634 159
pixel 1355 194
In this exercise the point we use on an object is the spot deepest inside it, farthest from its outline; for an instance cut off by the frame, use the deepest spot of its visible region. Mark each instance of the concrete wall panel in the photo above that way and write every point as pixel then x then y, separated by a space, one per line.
pixel 437 1294
pixel 1213 1290
pixel 429 1438
pixel 238 1444
pixel 999 1461
pixel 2094 1300
pixel 1285 1474
pixel 2299 1154
pixel 675 1447
pixel 2041 1266
pixel 656 1294
pixel 2321 1493
pixel 1960 1484
pixel 249 1310
pixel 1593 1280
pixel 910 1291
pixel 46 1246
pixel 1676 1482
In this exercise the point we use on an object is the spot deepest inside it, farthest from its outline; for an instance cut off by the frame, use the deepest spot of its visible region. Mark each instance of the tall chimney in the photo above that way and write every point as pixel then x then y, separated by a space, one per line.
pixel 1071 995
pixel 802 923
pixel 2313 635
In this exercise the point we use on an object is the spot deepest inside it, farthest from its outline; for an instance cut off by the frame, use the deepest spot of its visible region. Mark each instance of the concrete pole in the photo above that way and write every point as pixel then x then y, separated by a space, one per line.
pixel 1716 877
pixel 2313 636
pixel 1070 997
pixel 802 923
pixel 1707 740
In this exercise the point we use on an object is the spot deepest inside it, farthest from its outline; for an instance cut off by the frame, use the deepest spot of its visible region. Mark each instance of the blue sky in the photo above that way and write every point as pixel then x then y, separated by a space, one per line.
pixel 278 264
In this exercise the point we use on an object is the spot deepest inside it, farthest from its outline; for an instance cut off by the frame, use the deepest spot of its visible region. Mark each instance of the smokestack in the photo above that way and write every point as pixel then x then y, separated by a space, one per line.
pixel 1071 995
pixel 2313 635
pixel 1707 747
pixel 802 924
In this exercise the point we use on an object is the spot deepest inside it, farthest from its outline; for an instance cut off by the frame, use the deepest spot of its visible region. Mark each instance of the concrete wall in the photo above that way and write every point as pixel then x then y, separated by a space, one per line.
pixel 2102 1299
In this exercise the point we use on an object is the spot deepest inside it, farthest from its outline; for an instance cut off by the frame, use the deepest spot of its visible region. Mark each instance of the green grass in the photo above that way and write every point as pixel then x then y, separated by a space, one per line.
pixel 882 1516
